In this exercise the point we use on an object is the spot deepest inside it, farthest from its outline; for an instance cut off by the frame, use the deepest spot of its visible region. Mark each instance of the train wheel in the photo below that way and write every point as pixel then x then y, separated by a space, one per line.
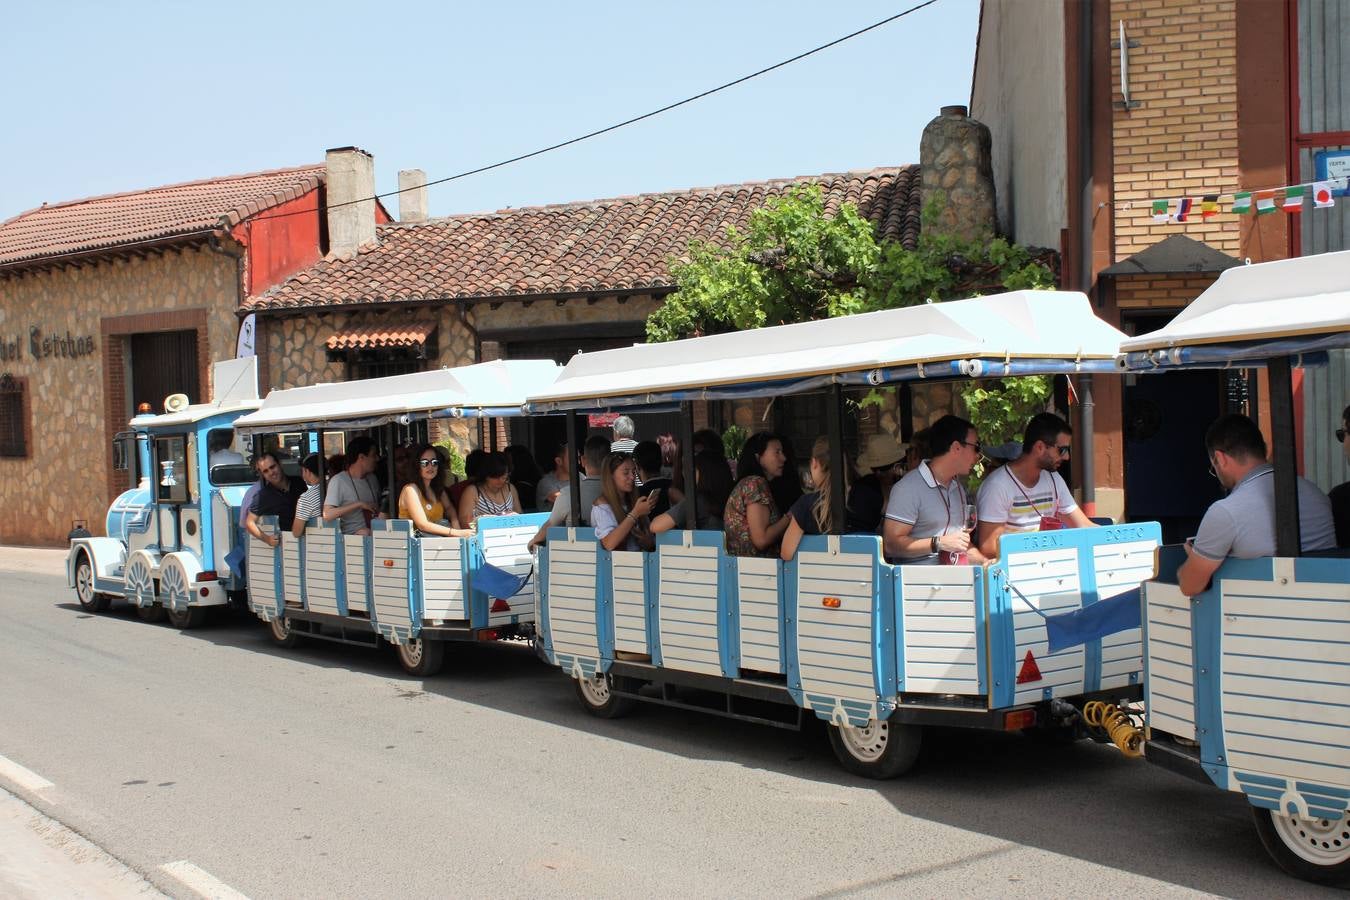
pixel 598 697
pixel 283 635
pixel 192 617
pixel 420 657
pixel 90 599
pixel 1316 850
pixel 877 749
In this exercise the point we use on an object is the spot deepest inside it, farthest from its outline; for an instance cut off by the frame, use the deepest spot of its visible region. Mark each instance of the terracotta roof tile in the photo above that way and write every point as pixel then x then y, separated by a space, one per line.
pixel 599 246
pixel 411 335
pixel 98 223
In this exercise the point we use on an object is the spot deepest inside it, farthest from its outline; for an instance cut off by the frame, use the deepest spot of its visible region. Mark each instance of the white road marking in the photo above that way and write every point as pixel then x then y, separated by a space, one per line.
pixel 201 881
pixel 24 778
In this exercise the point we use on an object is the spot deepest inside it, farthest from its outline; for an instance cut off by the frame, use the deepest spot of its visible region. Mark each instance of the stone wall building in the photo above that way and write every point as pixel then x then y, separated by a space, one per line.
pixel 112 301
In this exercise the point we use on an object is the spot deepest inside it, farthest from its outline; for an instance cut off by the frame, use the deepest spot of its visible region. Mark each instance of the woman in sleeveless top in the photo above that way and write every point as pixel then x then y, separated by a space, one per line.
pixel 423 497
pixel 492 493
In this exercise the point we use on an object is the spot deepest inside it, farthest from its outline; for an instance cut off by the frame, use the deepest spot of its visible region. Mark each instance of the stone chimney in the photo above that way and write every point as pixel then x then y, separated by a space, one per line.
pixel 957 178
pixel 351 178
pixel 412 195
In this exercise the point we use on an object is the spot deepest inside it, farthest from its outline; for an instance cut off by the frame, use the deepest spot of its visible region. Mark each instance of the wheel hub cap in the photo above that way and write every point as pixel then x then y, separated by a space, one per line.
pixel 1324 842
pixel 867 743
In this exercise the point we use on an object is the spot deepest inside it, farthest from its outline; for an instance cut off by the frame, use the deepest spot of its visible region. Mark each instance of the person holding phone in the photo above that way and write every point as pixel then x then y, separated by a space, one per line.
pixel 926 514
pixel 647 457
pixel 619 516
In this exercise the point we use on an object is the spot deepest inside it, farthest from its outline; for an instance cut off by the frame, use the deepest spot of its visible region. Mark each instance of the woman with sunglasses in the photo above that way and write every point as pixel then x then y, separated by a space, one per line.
pixel 492 493
pixel 619 516
pixel 423 497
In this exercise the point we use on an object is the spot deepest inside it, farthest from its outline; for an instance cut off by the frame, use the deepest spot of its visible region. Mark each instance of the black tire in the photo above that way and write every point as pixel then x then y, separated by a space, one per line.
pixel 1316 851
pixel 192 617
pixel 283 635
pixel 90 599
pixel 598 698
pixel 879 750
pixel 151 613
pixel 421 657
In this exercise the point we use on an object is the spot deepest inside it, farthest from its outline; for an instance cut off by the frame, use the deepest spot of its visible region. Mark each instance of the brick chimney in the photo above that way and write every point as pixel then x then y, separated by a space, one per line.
pixel 957 178
pixel 412 197
pixel 351 177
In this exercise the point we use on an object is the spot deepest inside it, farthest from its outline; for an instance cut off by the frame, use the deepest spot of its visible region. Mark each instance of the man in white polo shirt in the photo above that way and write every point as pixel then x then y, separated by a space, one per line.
pixel 926 512
pixel 1242 525
pixel 1028 494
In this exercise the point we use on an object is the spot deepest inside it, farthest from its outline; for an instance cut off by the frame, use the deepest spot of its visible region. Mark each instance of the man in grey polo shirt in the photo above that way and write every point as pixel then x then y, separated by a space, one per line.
pixel 926 512
pixel 1242 525
pixel 593 456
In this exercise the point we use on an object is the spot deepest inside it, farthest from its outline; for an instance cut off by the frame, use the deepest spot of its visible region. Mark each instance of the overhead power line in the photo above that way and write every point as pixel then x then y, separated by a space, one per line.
pixel 617 125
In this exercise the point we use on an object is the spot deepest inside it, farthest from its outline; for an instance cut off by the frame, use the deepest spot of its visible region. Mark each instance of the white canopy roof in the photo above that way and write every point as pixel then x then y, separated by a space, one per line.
pixel 1309 295
pixel 1021 325
pixel 195 413
pixel 501 384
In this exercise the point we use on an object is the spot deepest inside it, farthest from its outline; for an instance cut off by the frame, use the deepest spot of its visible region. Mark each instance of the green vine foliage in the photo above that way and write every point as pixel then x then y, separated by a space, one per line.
pixel 456 461
pixel 795 263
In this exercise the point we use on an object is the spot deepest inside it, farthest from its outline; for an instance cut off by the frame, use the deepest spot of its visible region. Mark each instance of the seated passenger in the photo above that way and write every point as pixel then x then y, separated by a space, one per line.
pixel 647 456
pixel 310 503
pixel 354 494
pixel 423 497
pixel 619 516
pixel 1242 525
pixel 595 451
pixel 219 441
pixel 1029 494
pixel 811 513
pixel 1340 494
pixel 492 494
pixel 277 496
pixel 554 481
pixel 754 523
pixel 880 464
pixel 926 514
pixel 712 476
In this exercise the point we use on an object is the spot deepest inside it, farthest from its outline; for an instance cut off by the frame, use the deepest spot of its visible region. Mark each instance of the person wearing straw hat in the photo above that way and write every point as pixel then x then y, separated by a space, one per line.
pixel 880 466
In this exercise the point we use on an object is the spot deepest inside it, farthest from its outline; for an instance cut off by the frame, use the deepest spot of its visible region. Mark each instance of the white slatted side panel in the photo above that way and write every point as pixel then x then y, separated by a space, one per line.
pixel 1119 568
pixel 687 607
pixel 1049 580
pixel 262 591
pixel 321 568
pixel 761 632
pixel 938 629
pixel 573 582
pixel 290 561
pixel 1285 691
pixel 443 596
pixel 354 558
pixel 390 577
pixel 834 645
pixel 1170 686
pixel 508 549
pixel 630 601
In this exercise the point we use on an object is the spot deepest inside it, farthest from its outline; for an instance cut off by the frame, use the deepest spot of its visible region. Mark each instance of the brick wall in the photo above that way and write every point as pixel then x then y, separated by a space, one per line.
pixel 1160 291
pixel 1182 140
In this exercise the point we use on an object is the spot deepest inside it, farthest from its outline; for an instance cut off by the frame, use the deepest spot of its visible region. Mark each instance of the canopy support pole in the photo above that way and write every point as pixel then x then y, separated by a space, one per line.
pixel 834 421
pixel 323 473
pixel 687 465
pixel 1087 445
pixel 1283 455
pixel 393 486
pixel 576 448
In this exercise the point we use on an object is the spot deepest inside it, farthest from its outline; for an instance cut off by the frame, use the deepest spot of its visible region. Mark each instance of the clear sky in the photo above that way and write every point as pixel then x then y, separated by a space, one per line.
pixel 105 97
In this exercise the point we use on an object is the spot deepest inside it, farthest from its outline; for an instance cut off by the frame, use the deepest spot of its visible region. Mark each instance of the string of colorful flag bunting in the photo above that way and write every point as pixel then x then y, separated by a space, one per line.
pixel 1289 198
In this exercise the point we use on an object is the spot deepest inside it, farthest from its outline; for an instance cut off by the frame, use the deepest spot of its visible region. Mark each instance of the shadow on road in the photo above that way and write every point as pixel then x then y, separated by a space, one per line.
pixel 1108 810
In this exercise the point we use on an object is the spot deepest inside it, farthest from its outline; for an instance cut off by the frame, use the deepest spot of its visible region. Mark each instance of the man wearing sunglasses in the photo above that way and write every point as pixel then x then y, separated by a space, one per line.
pixel 1242 525
pixel 1029 494
pixel 1340 495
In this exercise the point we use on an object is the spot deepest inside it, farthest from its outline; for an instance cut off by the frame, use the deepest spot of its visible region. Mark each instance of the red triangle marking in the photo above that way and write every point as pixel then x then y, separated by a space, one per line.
pixel 1030 671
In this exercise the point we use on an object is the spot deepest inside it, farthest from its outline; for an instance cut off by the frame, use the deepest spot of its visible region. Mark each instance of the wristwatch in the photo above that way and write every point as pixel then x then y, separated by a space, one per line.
pixel 932 543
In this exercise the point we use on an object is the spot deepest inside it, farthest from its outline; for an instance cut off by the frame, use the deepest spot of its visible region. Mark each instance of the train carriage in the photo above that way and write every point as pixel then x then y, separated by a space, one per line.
pixel 1247 680
pixel 415 591
pixel 878 650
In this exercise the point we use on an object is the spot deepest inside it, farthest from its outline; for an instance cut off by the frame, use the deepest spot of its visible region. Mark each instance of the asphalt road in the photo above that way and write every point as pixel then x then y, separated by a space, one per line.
pixel 325 771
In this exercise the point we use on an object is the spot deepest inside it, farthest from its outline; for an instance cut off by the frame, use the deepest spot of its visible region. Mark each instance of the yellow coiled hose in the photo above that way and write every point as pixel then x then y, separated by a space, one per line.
pixel 1117 725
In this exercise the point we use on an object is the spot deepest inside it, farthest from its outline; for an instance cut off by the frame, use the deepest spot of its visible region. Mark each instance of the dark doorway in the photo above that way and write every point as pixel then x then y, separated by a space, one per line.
pixel 164 363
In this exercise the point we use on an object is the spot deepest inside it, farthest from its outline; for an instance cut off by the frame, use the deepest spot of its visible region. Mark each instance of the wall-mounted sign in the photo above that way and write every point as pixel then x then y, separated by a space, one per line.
pixel 43 346
pixel 246 345
pixel 1334 165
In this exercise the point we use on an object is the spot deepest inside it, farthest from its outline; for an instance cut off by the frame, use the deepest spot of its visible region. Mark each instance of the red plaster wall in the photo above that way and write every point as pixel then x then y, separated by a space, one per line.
pixel 280 241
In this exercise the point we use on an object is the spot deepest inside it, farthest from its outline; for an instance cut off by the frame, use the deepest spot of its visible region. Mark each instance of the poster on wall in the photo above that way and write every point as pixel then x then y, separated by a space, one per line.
pixel 1334 165
pixel 245 347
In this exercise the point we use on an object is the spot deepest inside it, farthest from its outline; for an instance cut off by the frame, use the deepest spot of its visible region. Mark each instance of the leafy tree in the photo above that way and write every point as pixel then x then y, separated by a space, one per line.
pixel 794 263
